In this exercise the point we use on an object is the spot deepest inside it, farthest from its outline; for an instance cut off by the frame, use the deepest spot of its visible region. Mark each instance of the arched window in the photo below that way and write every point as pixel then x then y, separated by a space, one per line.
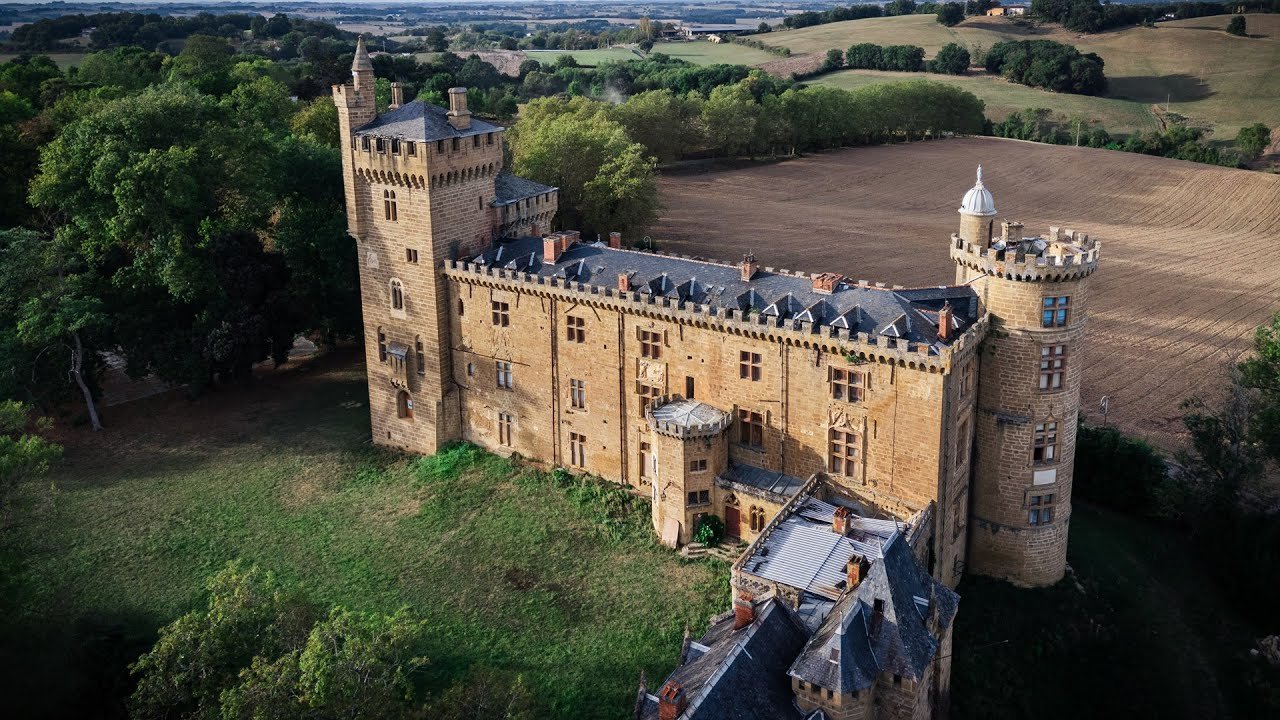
pixel 757 518
pixel 382 345
pixel 404 405
pixel 397 295
pixel 421 355
pixel 389 203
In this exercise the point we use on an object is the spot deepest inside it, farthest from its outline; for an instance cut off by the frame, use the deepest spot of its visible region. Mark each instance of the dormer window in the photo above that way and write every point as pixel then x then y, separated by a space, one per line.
pixel 395 146
pixel 380 145
pixel 475 141
pixel 454 145
pixel 364 143
pixel 440 146
pixel 488 139
pixel 411 148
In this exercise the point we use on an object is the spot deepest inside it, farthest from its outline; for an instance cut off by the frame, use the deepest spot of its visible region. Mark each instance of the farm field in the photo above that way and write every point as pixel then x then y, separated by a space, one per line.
pixel 1188 267
pixel 709 53
pixel 589 58
pixel 1213 79
pixel 63 60
pixel 1003 98
pixel 509 567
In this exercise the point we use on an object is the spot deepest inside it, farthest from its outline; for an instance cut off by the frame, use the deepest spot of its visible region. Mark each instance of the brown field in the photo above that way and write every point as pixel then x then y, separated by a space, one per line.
pixel 1191 253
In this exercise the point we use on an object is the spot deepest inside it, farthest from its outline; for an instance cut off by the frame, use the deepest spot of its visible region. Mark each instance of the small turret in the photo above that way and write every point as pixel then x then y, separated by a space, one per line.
pixel 362 68
pixel 977 213
pixel 459 115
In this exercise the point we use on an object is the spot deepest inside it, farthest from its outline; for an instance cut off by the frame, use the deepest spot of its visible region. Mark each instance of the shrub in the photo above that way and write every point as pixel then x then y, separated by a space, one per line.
pixel 834 59
pixel 709 531
pixel 1236 26
pixel 1048 64
pixel 950 14
pixel 1117 471
pixel 950 60
pixel 1252 140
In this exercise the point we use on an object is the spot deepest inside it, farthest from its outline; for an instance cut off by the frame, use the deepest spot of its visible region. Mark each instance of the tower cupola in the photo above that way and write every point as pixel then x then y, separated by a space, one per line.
pixel 977 213
pixel 362 68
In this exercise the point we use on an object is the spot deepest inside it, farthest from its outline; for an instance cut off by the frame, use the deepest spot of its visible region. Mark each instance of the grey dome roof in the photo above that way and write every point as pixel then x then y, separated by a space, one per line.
pixel 978 200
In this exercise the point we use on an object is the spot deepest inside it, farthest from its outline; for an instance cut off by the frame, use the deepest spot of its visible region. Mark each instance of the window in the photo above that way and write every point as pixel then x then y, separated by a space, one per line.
pixel 698 497
pixel 379 144
pixel 1053 366
pixel 577 450
pixel 410 255
pixel 1041 509
pixel 843 452
pixel 382 346
pixel 1054 313
pixel 966 379
pixel 757 518
pixel 504 429
pixel 688 387
pixel 576 329
pixel 962 443
pixel 488 138
pixel 751 429
pixel 397 295
pixel 650 344
pixel 440 146
pixel 411 148
pixel 646 458
pixel 421 355
pixel 501 314
pixel 847 385
pixel 749 366
pixel 461 307
pixel 455 144
pixel 957 514
pixel 578 394
pixel 480 203
pixel 697 466
pixel 647 393
pixel 395 146
pixel 404 405
pixel 389 204
pixel 475 141
pixel 1046 444
pixel 364 143
pixel 471 369
pixel 504 374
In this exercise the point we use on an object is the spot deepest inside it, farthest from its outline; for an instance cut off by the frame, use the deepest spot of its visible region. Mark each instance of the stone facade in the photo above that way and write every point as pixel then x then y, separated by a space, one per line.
pixel 537 363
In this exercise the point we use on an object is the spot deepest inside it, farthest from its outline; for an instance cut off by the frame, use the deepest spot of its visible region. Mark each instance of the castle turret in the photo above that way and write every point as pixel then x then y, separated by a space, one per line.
pixel 1035 290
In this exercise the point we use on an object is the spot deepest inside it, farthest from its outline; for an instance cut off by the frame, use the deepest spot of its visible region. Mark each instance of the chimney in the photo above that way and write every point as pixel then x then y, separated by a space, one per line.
pixel 615 240
pixel 1011 231
pixel 855 569
pixel 748 267
pixel 840 521
pixel 744 611
pixel 397 95
pixel 552 246
pixel 624 282
pixel 459 115
pixel 877 615
pixel 944 322
pixel 825 283
pixel 671 701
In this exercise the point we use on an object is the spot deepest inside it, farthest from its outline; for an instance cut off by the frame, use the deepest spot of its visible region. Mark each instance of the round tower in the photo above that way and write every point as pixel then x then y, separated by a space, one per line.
pixel 1035 291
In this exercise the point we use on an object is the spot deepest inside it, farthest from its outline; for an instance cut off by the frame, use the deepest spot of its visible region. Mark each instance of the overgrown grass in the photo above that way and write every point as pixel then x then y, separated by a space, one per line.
pixel 709 53
pixel 1146 634
pixel 558 579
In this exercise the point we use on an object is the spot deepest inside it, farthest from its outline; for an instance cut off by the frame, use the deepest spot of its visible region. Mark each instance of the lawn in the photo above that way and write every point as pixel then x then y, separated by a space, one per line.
pixel 1146 634
pixel 510 568
pixel 709 53
pixel 1003 97
pixel 587 58
pixel 1215 80
pixel 63 60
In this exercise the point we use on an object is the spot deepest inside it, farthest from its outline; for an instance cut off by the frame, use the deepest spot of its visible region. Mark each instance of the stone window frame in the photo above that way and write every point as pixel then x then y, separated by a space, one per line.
pixel 395 286
pixel 1041 504
pixel 420 355
pixel 404 405
pixel 575 329
pixel 844 451
pixel 695 498
pixel 395 146
pixel 750 365
pixel 410 148
pixel 751 429
pixel 505 377
pixel 698 466
pixel 501 313
pixel 962 444
pixel 382 345
pixel 380 145
pixel 578 394
pixel 647 393
pixel 1053 367
pixel 1044 442
pixel 847 384
pixel 389 206
pixel 578 450
pixel 648 461
pixel 411 255
pixel 1055 311
pixel 505 423
pixel 650 343
pixel 757 521
pixel 961 501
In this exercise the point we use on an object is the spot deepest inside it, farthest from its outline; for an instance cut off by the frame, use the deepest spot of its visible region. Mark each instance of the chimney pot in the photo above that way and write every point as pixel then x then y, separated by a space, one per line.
pixel 744 611
pixel 671 701
pixel 748 267
pixel 615 240
pixel 459 116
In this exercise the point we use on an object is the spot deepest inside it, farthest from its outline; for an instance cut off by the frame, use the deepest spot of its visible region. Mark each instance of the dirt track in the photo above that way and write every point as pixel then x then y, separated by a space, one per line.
pixel 1191 253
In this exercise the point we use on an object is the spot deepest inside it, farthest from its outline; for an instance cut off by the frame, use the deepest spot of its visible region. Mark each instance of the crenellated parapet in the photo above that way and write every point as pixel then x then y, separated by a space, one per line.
pixel 708 422
pixel 1061 257
pixel 865 347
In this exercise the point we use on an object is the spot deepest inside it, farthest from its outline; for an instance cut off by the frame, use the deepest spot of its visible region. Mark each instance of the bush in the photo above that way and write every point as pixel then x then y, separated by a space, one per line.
pixel 709 531
pixel 1049 65
pixel 1252 140
pixel 950 60
pixel 1117 471
pixel 834 60
pixel 950 14
pixel 1236 26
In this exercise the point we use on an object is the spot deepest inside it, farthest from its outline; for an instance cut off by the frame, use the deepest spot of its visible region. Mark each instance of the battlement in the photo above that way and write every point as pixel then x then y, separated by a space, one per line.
pixel 676 417
pixel 863 347
pixel 1063 255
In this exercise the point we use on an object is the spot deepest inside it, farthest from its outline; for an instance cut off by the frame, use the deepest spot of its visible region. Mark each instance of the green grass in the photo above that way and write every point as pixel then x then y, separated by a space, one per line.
pixel 1003 97
pixel 564 584
pixel 709 53
pixel 588 58
pixel 1150 636
pixel 63 60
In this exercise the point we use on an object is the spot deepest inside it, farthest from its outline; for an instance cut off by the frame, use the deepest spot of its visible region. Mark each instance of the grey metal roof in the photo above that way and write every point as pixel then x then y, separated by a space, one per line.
pixel 419 121
pixel 511 188
pixel 686 418
pixel 804 552
pixel 750 478
pixel 742 674
pixel 907 314
pixel 853 646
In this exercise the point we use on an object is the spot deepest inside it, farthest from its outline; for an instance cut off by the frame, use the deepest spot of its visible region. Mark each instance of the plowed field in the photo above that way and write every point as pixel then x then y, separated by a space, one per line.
pixel 1191 253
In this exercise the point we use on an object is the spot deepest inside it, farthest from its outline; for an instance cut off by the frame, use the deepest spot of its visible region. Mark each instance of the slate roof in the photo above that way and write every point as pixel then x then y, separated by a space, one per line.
pixel 512 188
pixel 852 647
pixel 908 314
pixel 420 121
pixel 751 478
pixel 742 674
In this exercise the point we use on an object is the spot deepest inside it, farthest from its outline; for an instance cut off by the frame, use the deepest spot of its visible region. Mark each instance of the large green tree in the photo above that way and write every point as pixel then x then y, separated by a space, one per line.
pixel 1252 140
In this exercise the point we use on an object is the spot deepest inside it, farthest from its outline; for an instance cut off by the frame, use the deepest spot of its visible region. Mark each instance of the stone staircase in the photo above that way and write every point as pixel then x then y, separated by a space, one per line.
pixel 728 551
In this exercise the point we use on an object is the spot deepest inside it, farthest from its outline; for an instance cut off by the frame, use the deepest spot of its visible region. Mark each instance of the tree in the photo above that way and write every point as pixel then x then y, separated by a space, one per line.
pixel 1261 373
pixel 486 693
pixel 24 454
pixel 1223 458
pixel 833 61
pixel 1236 26
pixel 952 59
pixel 318 120
pixel 205 62
pixel 1251 141
pixel 667 125
pixel 764 27
pixel 951 14
pixel 729 116
pixel 131 68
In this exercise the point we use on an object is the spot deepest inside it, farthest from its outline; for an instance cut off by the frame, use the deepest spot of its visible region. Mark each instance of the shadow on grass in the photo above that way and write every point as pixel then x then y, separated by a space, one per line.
pixel 1158 88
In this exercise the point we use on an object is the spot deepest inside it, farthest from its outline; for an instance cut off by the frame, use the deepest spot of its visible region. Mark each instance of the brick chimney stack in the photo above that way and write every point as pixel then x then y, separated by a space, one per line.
pixel 944 322
pixel 825 283
pixel 744 611
pixel 615 240
pixel 671 701
pixel 397 95
pixel 1012 231
pixel 552 246
pixel 748 267
pixel 840 521
pixel 624 282
pixel 855 569
pixel 459 116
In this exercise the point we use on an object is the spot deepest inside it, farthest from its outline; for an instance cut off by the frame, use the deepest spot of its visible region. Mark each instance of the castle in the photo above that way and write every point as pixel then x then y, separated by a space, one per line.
pixel 767 398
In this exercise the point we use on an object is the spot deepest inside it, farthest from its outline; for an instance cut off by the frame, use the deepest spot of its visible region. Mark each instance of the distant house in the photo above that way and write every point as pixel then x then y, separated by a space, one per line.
pixel 697 32
pixel 1008 10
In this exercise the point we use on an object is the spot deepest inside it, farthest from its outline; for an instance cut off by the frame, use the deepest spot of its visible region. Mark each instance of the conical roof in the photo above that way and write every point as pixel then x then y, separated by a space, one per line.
pixel 361 63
